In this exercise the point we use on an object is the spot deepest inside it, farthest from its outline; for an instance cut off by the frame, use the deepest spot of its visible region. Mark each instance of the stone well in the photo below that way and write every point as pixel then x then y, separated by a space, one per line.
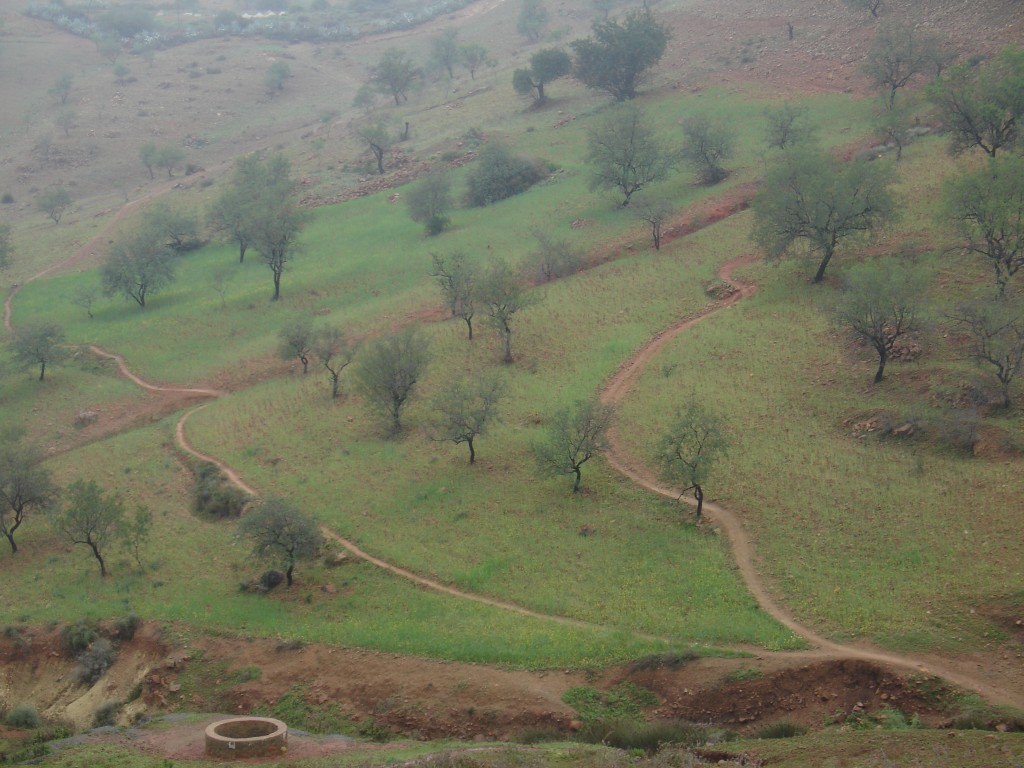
pixel 241 737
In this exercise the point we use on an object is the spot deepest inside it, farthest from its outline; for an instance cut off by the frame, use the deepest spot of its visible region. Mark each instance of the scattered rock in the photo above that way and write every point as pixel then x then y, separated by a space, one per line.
pixel 85 418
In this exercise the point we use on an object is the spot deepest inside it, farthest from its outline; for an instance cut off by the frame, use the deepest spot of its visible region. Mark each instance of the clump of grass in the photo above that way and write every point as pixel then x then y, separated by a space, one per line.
pixel 539 735
pixel 624 701
pixel 742 674
pixel 629 734
pixel 295 710
pixel 783 730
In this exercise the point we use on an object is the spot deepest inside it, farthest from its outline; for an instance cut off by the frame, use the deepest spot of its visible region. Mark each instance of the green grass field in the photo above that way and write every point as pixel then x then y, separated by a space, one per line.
pixel 859 539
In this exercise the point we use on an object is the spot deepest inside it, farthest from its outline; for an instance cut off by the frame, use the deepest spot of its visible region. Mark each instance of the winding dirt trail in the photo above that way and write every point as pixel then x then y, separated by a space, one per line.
pixel 618 387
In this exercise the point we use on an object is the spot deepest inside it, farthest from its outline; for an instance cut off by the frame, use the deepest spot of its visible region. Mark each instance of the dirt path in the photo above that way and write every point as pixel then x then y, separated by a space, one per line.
pixel 616 390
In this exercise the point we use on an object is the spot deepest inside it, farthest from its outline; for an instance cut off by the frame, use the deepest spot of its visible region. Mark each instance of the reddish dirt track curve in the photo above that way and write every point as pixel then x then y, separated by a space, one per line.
pixel 619 386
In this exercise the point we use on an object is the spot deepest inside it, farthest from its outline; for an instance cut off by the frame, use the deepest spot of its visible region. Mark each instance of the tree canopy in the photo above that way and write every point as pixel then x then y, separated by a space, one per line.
pixel 39 344
pixel 90 516
pixel 137 266
pixel 26 486
pixel 389 371
pixel 986 207
pixel 625 154
pixel 545 65
pixel 689 448
pixel 575 436
pixel 982 106
pixel 281 533
pixel 811 197
pixel 618 56
pixel 394 74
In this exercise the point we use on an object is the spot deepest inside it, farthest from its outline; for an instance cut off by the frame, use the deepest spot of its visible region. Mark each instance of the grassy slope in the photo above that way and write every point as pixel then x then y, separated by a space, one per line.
pixel 495 529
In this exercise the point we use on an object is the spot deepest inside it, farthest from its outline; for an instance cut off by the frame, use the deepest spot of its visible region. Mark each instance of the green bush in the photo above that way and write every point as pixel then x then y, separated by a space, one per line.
pixel 126 627
pixel 662 661
pixel 214 495
pixel 106 714
pixel 498 174
pixel 625 700
pixel 782 730
pixel 76 638
pixel 23 716
pixel 94 662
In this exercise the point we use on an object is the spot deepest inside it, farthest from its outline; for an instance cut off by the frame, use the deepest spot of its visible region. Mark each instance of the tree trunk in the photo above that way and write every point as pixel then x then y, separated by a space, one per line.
pixel 99 559
pixel 507 334
pixel 472 452
pixel 277 286
pixel 242 245
pixel 469 326
pixel 656 232
pixel 378 153
pixel 42 370
pixel 698 494
pixel 820 274
pixel 576 483
pixel 541 98
pixel 10 540
pixel 334 386
pixel 305 364
pixel 882 357
pixel 288 573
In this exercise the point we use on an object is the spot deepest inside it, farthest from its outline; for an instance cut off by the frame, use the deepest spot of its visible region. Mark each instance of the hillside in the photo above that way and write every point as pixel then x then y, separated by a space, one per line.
pixel 839 581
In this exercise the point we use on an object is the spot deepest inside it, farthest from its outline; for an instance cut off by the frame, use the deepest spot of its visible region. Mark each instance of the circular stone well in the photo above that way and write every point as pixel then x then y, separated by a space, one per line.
pixel 241 737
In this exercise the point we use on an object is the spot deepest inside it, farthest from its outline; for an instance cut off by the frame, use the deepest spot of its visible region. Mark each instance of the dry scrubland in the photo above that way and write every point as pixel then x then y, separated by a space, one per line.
pixel 907 545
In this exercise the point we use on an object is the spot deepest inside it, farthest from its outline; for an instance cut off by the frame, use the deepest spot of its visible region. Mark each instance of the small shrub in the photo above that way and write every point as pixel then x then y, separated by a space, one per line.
pixel 782 730
pixel 7 199
pixel 499 174
pixel 107 714
pixel 745 673
pixel 553 258
pixel 17 638
pixel 539 735
pixel 214 496
pixel 76 638
pixel 126 627
pixel 625 700
pixel 625 733
pixel 23 716
pixel 94 662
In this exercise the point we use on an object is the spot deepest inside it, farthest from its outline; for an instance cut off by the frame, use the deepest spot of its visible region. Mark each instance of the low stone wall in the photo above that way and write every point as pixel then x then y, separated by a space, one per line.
pixel 242 737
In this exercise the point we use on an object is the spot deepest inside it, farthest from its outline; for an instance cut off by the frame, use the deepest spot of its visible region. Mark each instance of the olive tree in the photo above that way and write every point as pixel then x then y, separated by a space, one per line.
pixel 39 345
pixel 281 534
pixel 625 154
pixel 502 296
pixel 545 65
pixel 275 236
pixel 707 144
pixel 618 56
pixel 880 304
pixel 899 53
pixel 335 352
pixel 464 409
pixel 995 331
pixel 430 200
pixel 54 203
pixel 457 279
pixel 982 106
pixel 137 266
pixel 532 19
pixel 812 198
pixel 786 126
pixel 574 436
pixel 379 136
pixel 295 339
pixel 26 486
pixel 389 370
pixel 394 74
pixel 655 213
pixel 90 516
pixel 688 449
pixel 445 50
pixel 986 208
